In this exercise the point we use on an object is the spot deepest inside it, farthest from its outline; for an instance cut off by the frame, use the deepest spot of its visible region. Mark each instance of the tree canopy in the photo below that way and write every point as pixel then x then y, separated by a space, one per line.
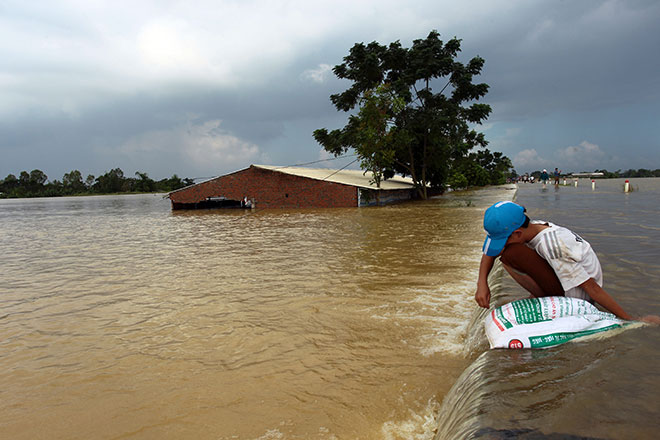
pixel 401 124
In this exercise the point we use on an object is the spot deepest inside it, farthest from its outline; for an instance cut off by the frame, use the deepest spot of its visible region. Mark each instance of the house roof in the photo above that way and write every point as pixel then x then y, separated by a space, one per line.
pixel 356 178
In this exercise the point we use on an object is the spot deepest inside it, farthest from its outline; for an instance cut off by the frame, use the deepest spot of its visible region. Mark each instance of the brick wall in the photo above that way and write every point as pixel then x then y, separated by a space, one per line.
pixel 269 189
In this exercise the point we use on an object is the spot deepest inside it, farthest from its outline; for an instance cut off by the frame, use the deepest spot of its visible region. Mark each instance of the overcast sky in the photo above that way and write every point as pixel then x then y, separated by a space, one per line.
pixel 202 88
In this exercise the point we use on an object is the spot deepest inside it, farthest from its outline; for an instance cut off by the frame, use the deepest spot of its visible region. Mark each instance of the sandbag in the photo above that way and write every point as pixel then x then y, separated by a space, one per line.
pixel 545 322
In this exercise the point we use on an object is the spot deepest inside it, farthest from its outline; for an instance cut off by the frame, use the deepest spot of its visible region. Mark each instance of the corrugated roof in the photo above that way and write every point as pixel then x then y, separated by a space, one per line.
pixel 347 177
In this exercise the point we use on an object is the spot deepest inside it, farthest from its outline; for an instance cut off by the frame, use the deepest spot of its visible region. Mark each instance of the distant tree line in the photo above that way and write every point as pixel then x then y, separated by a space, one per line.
pixel 36 184
pixel 642 172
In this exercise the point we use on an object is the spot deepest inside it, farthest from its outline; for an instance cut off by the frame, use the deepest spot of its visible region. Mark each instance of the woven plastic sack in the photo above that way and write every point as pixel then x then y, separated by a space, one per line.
pixel 545 322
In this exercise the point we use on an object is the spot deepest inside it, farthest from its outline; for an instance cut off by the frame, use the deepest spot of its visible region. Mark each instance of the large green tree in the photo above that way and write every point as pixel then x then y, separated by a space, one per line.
pixel 402 125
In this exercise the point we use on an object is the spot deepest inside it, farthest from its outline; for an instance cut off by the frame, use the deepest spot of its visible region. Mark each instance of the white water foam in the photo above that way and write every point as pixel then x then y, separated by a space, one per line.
pixel 443 314
pixel 420 426
pixel 271 434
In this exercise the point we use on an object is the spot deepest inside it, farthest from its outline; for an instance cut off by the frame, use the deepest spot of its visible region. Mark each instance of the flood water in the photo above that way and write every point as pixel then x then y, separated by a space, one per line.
pixel 121 319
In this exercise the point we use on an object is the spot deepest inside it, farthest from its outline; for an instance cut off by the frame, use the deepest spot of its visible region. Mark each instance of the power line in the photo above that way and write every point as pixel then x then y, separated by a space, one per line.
pixel 317 161
pixel 327 177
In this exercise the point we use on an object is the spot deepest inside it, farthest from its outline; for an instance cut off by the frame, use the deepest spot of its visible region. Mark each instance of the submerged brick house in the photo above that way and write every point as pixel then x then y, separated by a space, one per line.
pixel 292 187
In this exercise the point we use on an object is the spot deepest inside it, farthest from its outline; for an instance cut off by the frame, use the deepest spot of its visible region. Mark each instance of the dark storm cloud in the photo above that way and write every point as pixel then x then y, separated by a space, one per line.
pixel 169 90
pixel 582 56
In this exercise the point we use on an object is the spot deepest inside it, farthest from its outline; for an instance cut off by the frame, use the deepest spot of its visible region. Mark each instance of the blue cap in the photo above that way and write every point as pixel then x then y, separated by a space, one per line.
pixel 500 220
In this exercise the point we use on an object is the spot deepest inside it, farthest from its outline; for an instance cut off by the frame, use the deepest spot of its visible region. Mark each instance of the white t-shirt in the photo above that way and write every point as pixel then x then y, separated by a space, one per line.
pixel 571 257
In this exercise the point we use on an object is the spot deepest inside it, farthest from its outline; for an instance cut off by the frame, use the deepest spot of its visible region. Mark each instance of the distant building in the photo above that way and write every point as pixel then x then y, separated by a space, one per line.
pixel 265 186
pixel 589 175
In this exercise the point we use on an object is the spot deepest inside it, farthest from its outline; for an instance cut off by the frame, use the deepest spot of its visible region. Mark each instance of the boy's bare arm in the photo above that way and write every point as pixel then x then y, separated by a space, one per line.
pixel 482 296
pixel 603 298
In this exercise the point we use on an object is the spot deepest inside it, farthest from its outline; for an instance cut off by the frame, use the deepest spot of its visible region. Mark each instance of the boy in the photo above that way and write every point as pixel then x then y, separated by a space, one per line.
pixel 556 173
pixel 545 259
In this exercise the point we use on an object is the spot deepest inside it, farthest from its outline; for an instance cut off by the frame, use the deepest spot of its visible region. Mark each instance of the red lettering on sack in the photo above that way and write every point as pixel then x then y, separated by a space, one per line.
pixel 515 343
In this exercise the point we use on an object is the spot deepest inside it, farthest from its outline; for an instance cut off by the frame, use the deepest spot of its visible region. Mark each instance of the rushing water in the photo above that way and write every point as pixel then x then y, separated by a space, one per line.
pixel 122 319
pixel 601 388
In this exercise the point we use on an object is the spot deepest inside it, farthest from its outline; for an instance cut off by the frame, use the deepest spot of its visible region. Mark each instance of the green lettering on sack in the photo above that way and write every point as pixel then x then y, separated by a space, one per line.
pixel 502 319
pixel 552 339
pixel 527 311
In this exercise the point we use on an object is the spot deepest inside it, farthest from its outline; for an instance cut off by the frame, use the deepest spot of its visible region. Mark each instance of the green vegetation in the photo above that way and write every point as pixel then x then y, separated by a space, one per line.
pixel 36 184
pixel 642 172
pixel 403 127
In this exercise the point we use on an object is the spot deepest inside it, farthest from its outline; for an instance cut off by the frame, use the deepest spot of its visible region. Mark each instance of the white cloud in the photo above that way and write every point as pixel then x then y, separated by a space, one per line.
pixel 207 142
pixel 318 75
pixel 204 146
pixel 172 45
pixel 527 159
pixel 585 155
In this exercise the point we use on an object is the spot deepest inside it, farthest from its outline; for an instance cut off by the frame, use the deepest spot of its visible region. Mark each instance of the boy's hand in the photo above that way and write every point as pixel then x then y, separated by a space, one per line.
pixel 651 319
pixel 482 297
